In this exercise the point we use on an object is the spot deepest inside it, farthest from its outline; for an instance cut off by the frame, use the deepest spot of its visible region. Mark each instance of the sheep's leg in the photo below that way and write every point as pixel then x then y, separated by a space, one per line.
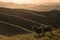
pixel 51 31
pixel 43 33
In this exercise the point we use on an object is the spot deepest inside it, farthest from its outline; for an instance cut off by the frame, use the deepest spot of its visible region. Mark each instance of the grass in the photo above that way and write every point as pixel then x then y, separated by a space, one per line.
pixel 55 36
pixel 55 19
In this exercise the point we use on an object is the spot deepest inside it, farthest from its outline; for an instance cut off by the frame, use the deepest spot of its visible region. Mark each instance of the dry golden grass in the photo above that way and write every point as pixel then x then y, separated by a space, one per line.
pixel 56 36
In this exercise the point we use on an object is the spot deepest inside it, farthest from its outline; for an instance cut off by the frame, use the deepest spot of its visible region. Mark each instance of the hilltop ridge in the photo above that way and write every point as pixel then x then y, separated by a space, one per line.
pixel 31 6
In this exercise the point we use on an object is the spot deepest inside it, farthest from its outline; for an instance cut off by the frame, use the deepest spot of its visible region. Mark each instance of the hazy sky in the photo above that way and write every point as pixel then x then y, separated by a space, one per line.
pixel 31 1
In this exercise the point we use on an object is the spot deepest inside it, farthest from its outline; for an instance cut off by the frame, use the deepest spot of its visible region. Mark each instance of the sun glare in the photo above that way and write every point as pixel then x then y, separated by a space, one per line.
pixel 21 1
pixel 31 1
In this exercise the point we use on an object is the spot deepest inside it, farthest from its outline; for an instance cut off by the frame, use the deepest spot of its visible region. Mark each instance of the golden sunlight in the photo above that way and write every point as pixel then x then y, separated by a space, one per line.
pixel 31 1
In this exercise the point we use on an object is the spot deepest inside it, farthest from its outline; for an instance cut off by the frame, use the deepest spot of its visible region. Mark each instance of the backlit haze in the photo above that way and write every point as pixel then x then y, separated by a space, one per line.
pixel 37 5
pixel 31 1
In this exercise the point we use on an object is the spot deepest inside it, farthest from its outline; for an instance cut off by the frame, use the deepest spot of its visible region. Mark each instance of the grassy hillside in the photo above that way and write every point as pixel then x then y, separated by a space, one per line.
pixel 13 19
pixel 49 18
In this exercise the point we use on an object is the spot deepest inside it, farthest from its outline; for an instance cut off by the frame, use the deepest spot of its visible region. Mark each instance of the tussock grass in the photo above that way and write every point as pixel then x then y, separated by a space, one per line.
pixel 32 36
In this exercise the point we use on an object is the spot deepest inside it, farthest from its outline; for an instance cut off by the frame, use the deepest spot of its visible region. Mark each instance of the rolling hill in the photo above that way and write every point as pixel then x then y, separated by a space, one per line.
pixel 27 18
pixel 16 24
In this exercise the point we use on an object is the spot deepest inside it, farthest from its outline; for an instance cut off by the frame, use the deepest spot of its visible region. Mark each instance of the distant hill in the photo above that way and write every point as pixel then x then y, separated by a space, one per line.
pixel 31 6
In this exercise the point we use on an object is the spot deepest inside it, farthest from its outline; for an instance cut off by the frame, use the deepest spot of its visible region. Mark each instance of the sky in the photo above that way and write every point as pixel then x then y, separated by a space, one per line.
pixel 31 1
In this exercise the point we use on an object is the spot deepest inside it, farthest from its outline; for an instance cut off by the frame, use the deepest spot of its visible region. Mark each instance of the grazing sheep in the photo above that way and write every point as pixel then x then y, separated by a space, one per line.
pixel 38 30
pixel 48 28
pixel 42 29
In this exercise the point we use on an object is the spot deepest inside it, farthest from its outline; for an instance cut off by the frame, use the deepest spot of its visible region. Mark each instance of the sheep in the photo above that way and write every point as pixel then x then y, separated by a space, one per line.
pixel 42 29
pixel 48 28
pixel 38 30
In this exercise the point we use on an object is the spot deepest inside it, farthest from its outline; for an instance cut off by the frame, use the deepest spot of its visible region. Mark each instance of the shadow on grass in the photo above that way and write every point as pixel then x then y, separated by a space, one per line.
pixel 8 30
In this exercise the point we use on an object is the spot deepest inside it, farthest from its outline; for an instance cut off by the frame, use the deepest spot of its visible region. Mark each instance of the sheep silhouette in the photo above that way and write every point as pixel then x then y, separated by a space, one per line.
pixel 42 29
